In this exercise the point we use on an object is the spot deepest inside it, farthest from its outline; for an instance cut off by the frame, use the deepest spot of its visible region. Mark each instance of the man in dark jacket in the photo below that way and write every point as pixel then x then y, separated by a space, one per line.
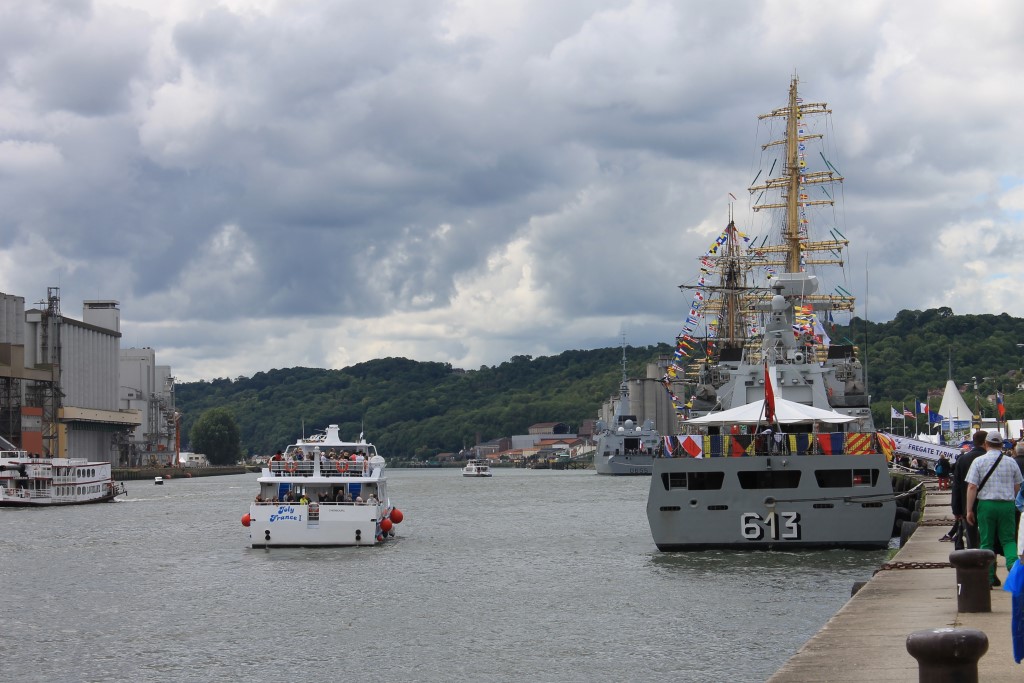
pixel 958 499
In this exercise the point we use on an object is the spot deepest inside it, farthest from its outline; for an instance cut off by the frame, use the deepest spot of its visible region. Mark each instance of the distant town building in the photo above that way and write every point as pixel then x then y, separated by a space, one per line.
pixel 549 428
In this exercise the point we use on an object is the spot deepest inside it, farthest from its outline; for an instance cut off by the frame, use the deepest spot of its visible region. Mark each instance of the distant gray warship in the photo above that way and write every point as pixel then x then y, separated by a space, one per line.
pixel 769 389
pixel 625 447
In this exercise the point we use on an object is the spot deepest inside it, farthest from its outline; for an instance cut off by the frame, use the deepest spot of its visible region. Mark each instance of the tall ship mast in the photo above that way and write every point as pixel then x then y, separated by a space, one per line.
pixel 776 447
pixel 739 275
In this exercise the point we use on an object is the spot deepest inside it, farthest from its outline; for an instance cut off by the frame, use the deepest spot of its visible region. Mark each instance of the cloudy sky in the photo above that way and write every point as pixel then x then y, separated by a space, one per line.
pixel 265 184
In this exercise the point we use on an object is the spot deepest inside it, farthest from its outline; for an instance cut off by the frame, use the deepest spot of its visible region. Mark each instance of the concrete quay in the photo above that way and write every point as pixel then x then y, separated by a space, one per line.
pixel 866 639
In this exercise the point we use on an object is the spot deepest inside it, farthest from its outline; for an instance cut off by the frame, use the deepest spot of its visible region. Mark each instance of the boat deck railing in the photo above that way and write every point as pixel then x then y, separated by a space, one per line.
pixel 314 503
pixel 331 468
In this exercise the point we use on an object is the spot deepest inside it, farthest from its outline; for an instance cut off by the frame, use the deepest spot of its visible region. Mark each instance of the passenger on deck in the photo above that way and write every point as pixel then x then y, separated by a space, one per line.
pixel 304 499
pixel 372 500
pixel 348 497
pixel 340 498
pixel 359 500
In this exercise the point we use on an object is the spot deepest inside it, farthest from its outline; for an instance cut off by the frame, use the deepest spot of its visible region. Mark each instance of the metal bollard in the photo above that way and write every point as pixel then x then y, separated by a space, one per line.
pixel 973 590
pixel 947 655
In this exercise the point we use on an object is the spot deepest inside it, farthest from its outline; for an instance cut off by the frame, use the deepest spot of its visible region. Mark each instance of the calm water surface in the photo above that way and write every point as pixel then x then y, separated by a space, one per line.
pixel 530 575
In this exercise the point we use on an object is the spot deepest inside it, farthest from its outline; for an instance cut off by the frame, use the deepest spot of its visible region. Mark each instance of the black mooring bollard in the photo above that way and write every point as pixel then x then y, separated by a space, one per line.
pixel 947 655
pixel 973 590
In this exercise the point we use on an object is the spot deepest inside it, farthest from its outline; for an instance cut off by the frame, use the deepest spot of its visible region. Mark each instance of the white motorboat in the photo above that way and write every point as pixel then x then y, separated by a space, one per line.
pixel 322 491
pixel 476 468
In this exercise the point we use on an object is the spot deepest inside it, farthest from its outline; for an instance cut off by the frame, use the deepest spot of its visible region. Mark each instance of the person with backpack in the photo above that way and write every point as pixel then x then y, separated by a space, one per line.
pixel 942 472
pixel 967 534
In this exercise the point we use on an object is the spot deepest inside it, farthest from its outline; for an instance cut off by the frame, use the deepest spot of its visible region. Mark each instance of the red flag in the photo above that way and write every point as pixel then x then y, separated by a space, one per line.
pixel 769 396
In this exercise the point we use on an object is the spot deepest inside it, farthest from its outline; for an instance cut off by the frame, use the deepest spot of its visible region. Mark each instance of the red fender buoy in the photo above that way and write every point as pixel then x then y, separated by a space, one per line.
pixel 397 516
pixel 246 519
pixel 386 525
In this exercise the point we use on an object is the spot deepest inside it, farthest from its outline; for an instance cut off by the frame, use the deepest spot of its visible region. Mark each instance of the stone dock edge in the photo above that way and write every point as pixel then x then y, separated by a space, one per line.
pixel 866 640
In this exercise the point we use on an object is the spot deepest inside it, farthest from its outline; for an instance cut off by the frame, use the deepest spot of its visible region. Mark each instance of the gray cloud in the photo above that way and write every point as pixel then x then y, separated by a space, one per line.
pixel 320 183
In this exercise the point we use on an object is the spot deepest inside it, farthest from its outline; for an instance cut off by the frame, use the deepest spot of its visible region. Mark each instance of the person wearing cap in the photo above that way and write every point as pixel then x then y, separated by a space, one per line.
pixel 993 482
pixel 964 534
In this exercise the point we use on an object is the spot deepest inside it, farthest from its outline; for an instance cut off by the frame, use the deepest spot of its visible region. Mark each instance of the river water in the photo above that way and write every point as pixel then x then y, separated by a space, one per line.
pixel 530 575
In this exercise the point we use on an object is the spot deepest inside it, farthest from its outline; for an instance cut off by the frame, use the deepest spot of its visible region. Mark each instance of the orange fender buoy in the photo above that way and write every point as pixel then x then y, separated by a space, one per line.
pixel 246 519
pixel 386 525
pixel 397 516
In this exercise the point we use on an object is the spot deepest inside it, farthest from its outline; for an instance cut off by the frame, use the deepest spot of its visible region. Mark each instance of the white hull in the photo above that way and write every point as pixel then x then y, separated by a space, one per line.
pixel 277 525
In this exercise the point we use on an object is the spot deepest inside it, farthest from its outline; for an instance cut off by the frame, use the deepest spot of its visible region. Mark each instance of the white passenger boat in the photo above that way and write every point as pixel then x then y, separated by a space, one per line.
pixel 476 468
pixel 30 481
pixel 322 491
pixel 780 450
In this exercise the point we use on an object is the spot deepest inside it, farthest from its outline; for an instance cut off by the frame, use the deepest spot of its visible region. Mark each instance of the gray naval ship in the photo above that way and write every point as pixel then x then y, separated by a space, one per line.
pixel 810 471
pixel 624 447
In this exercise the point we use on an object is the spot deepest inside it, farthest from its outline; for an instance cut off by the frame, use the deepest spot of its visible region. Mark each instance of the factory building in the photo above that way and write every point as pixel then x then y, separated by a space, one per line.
pixel 148 389
pixel 61 388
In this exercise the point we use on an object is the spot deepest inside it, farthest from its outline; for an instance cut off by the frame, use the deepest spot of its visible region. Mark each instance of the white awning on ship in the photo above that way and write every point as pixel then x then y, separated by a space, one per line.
pixel 787 412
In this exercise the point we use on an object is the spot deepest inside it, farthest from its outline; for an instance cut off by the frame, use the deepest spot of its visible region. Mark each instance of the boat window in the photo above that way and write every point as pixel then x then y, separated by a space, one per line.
pixel 769 479
pixel 865 477
pixel 834 479
pixel 704 481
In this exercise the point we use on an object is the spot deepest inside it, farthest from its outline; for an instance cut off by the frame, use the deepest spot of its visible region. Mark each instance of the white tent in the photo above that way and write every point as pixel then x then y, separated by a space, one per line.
pixel 953 409
pixel 787 412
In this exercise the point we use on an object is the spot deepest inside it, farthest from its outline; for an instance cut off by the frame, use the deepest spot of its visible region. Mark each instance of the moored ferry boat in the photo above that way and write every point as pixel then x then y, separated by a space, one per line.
pixel 322 491
pixel 779 449
pixel 624 447
pixel 30 481
pixel 477 468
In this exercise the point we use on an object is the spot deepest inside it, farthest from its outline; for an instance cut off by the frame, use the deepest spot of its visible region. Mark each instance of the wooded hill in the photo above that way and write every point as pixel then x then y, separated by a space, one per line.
pixel 412 409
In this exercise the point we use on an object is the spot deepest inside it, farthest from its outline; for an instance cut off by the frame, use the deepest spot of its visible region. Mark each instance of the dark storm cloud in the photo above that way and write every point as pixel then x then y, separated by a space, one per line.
pixel 319 183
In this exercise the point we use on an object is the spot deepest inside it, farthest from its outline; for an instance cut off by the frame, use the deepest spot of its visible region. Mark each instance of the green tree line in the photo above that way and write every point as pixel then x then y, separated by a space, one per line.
pixel 413 409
